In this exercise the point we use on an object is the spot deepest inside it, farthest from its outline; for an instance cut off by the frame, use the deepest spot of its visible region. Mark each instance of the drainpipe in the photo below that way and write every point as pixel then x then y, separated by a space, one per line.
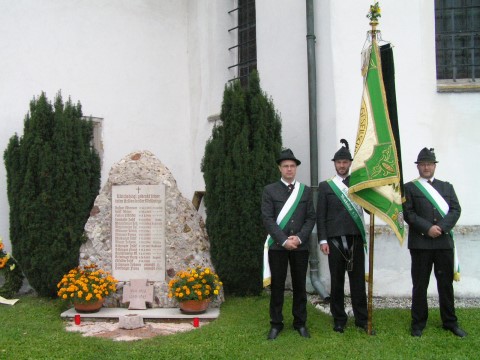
pixel 312 116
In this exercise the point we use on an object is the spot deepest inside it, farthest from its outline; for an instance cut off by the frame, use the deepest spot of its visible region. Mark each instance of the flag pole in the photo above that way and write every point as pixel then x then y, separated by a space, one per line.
pixel 371 245
pixel 370 273
pixel 376 191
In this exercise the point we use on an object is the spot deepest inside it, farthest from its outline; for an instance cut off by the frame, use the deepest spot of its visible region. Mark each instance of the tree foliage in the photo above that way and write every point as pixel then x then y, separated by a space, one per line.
pixel 239 161
pixel 53 177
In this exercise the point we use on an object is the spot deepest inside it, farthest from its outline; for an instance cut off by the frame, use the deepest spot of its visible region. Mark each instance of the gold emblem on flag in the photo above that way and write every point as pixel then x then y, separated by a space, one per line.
pixel 386 164
pixel 362 126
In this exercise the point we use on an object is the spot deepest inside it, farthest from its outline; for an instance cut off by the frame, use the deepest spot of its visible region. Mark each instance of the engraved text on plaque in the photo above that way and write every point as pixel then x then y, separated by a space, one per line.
pixel 138 232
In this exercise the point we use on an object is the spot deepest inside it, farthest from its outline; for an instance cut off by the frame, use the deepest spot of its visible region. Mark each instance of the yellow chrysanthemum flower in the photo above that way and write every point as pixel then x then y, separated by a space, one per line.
pixel 194 284
pixel 86 284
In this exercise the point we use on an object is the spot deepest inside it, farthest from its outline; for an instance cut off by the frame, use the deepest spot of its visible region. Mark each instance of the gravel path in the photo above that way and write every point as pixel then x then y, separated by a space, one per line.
pixel 393 302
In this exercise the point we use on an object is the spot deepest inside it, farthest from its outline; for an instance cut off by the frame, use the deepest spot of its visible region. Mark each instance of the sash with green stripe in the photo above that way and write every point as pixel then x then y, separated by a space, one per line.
pixel 341 190
pixel 442 206
pixel 282 219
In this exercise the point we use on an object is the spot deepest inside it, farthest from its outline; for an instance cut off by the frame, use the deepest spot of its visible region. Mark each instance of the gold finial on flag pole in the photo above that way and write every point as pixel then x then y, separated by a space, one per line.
pixel 373 14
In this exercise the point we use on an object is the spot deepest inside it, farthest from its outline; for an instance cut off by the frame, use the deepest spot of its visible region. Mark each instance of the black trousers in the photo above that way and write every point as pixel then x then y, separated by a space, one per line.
pixel 442 262
pixel 279 260
pixel 337 265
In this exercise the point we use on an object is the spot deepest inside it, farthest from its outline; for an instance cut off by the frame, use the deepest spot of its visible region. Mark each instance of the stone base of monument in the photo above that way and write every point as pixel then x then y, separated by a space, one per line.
pixel 130 322
pixel 156 314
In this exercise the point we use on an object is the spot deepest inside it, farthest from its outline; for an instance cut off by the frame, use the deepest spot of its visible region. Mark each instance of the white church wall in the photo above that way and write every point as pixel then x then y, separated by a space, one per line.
pixel 282 65
pixel 126 62
pixel 209 59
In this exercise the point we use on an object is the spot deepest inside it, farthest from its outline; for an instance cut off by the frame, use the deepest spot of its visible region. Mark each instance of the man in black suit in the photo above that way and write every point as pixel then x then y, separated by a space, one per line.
pixel 341 235
pixel 431 211
pixel 289 217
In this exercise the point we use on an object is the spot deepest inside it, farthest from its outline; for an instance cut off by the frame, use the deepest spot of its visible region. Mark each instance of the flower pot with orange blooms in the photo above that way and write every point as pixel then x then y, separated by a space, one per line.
pixel 194 288
pixel 86 287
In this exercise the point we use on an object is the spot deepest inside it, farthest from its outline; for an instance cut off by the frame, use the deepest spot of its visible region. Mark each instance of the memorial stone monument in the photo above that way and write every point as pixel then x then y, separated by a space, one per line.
pixel 141 227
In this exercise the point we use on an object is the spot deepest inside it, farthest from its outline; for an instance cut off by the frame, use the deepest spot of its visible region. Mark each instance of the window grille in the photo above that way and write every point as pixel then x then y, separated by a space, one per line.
pixel 246 47
pixel 457 38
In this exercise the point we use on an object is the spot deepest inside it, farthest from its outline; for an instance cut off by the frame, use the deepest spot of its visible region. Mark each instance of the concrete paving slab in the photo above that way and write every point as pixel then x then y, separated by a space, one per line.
pixel 157 313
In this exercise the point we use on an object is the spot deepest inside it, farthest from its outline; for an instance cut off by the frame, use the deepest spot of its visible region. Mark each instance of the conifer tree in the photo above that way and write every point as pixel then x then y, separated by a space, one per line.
pixel 53 177
pixel 239 161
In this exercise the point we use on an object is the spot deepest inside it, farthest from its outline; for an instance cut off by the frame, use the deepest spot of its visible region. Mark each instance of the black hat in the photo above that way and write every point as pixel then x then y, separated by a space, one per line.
pixel 343 153
pixel 426 155
pixel 287 154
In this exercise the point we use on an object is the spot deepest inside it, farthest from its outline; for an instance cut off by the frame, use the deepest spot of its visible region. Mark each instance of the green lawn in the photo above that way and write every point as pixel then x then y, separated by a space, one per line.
pixel 33 329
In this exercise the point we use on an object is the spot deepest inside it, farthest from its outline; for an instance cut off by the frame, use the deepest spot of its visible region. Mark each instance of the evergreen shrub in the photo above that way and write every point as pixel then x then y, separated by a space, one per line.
pixel 53 177
pixel 239 161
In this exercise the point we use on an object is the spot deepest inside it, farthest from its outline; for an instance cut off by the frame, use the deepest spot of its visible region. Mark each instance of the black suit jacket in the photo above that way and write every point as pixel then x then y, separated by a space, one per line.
pixel 420 215
pixel 301 223
pixel 333 219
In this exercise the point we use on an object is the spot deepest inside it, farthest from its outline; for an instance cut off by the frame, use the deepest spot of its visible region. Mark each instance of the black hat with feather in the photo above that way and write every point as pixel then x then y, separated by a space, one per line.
pixel 343 153
pixel 426 155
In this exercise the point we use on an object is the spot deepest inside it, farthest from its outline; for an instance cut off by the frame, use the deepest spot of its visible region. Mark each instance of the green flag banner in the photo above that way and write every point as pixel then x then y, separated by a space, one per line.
pixel 375 182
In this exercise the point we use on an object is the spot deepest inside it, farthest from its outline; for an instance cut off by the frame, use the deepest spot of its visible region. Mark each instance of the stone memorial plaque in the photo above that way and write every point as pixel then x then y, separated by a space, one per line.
pixel 137 293
pixel 138 232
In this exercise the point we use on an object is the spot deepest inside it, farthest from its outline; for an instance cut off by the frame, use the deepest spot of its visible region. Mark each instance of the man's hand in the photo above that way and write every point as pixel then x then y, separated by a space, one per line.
pixel 324 248
pixel 292 243
pixel 435 231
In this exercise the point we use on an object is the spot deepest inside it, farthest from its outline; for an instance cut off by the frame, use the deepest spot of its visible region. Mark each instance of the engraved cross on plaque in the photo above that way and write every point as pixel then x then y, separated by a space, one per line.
pixel 138 292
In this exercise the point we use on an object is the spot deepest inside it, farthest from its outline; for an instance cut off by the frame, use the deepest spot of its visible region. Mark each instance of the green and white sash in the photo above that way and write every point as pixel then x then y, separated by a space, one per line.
pixel 439 203
pixel 282 219
pixel 355 211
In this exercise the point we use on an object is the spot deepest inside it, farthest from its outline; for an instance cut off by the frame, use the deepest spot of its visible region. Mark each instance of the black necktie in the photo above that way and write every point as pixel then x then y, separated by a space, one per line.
pixel 290 188
pixel 429 181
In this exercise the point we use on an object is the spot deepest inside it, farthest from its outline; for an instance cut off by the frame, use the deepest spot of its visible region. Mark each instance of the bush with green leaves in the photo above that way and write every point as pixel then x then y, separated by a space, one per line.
pixel 239 161
pixel 53 177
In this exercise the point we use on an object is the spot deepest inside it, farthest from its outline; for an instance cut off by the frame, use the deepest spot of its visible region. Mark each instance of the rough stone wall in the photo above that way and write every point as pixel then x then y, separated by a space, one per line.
pixel 186 242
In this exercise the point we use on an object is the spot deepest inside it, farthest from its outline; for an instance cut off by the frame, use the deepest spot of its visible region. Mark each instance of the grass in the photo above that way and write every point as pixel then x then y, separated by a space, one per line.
pixel 33 329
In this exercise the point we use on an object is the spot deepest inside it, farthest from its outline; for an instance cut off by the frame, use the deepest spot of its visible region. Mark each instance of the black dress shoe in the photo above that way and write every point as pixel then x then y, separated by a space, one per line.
pixel 303 332
pixel 272 335
pixel 338 328
pixel 416 332
pixel 456 331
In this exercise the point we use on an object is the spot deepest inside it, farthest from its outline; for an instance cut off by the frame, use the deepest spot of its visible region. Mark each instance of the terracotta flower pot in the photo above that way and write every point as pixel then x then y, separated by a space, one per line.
pixel 194 306
pixel 89 307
